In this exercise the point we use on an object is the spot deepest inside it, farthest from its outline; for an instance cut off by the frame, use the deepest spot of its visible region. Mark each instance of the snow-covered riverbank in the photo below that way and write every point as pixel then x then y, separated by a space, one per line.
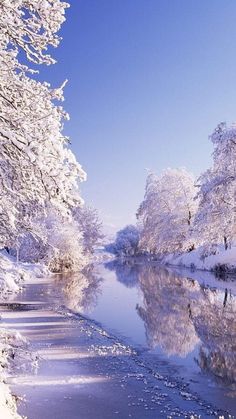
pixel 222 261
pixel 12 352
pixel 13 347
pixel 13 274
pixel 7 403
pixel 219 261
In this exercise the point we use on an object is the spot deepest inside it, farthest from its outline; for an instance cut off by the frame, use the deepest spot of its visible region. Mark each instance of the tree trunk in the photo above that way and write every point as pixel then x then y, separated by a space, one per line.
pixel 17 255
pixel 225 298
pixel 189 217
pixel 225 243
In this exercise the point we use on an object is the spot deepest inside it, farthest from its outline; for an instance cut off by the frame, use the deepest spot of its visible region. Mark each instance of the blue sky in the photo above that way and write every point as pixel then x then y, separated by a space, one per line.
pixel 148 82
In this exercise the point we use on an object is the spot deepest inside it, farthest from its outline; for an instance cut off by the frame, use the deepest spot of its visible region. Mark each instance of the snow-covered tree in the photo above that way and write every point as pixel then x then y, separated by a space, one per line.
pixel 90 227
pixel 167 212
pixel 215 222
pixel 54 240
pixel 36 165
pixel 37 168
pixel 32 26
pixel 126 242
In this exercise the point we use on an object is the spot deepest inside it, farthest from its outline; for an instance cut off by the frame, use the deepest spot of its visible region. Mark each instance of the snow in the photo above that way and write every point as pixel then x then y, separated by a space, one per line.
pixel 13 347
pixel 7 405
pixel 195 259
pixel 14 356
pixel 12 274
pixel 9 344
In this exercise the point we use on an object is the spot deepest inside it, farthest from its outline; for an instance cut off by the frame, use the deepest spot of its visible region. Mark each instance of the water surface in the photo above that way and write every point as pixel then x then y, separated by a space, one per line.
pixel 183 321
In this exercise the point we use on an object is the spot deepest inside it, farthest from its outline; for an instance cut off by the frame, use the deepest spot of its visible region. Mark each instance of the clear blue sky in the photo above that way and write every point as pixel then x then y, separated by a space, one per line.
pixel 148 82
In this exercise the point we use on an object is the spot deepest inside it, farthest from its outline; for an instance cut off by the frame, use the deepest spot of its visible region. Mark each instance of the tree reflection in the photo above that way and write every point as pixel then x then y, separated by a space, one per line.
pixel 179 314
pixel 167 310
pixel 127 272
pixel 216 327
pixel 80 290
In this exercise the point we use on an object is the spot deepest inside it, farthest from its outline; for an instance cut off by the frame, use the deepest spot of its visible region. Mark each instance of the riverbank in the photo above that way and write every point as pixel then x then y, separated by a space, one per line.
pixel 8 346
pixel 10 278
pixel 13 347
pixel 221 261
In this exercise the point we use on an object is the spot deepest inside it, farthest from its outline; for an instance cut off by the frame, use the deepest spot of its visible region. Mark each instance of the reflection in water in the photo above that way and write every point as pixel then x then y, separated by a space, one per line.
pixel 216 327
pixel 80 290
pixel 166 310
pixel 179 314
pixel 126 271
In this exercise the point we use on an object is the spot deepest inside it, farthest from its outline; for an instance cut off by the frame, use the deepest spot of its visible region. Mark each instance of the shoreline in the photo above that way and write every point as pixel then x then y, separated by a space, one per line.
pixel 170 261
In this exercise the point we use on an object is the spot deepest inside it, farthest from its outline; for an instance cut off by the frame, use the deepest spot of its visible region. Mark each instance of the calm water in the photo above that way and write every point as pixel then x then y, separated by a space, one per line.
pixel 184 322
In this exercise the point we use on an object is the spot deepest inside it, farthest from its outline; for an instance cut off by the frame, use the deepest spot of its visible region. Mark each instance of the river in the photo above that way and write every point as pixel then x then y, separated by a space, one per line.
pixel 127 339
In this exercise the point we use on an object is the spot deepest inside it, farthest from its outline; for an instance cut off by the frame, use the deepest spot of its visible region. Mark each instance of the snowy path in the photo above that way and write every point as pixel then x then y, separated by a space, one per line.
pixel 84 372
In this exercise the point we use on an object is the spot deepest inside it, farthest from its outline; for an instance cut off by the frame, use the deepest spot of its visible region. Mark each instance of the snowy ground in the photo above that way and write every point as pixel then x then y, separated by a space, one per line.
pixel 84 372
pixel 13 347
pixel 195 259
pixel 8 344
pixel 13 274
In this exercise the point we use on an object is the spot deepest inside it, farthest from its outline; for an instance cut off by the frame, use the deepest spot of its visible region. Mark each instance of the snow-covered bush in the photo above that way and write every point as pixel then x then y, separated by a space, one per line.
pixel 63 243
pixel 126 242
pixel 30 248
pixel 59 244
pixel 67 253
